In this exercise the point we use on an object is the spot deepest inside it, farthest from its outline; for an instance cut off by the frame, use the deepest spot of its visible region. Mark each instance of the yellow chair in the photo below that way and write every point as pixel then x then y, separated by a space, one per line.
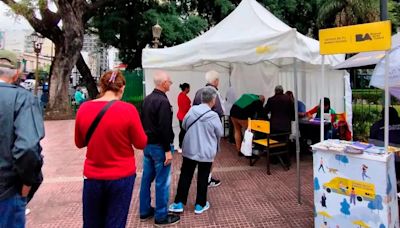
pixel 272 147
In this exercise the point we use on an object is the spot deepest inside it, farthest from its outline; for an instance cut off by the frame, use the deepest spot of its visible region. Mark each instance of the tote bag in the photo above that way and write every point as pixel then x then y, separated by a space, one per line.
pixel 247 143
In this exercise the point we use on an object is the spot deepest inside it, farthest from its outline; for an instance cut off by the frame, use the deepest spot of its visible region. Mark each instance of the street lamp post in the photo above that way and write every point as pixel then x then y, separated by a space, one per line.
pixel 156 29
pixel 37 41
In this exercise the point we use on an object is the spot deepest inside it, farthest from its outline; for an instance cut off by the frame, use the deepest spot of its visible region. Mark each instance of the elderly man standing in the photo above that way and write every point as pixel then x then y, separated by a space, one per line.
pixel 212 78
pixel 20 151
pixel 281 108
pixel 157 123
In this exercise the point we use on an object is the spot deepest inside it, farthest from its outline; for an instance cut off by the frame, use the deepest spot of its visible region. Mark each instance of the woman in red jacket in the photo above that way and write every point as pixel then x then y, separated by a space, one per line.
pixel 109 170
pixel 183 107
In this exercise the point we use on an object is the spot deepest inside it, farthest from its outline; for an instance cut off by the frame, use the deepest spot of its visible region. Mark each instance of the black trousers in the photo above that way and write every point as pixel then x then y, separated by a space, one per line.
pixel 185 179
pixel 181 134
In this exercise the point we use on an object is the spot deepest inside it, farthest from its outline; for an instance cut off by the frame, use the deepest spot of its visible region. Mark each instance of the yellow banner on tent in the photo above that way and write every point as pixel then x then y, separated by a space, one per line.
pixel 356 38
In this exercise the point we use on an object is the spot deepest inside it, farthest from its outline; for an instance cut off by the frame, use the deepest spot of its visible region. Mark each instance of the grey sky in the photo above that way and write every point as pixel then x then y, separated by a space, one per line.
pixel 9 22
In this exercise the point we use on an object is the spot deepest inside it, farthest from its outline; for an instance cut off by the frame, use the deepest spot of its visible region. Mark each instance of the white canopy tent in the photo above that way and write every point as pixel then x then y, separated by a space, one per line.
pixel 254 51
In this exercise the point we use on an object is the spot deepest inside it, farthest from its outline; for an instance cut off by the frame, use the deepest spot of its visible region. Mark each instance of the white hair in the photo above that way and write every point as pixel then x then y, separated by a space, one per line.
pixel 160 77
pixel 212 76
pixel 7 72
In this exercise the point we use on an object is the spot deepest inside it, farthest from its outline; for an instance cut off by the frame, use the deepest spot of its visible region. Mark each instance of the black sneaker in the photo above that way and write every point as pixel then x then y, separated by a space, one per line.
pixel 147 217
pixel 170 220
pixel 214 183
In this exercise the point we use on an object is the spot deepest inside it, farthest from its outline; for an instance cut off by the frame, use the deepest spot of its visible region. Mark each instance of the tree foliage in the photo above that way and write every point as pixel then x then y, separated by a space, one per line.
pixel 67 38
pixel 131 32
pixel 394 13
pixel 334 13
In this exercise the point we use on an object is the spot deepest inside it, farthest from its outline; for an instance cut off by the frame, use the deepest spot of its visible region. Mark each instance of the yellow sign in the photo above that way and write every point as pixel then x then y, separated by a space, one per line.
pixel 356 38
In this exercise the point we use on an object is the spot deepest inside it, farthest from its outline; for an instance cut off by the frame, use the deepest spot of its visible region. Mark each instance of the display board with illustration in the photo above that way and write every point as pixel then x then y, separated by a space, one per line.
pixel 354 190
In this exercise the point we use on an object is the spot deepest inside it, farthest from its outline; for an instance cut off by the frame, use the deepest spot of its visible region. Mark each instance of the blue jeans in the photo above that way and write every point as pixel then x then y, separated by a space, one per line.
pixel 106 202
pixel 12 212
pixel 153 168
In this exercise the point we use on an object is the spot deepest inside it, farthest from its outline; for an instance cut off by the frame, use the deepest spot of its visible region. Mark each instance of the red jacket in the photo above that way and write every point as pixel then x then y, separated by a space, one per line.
pixel 110 154
pixel 183 105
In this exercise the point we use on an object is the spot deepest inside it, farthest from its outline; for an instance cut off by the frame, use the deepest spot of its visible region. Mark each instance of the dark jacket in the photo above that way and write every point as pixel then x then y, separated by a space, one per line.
pixel 377 131
pixel 217 107
pixel 157 119
pixel 253 110
pixel 282 112
pixel 20 134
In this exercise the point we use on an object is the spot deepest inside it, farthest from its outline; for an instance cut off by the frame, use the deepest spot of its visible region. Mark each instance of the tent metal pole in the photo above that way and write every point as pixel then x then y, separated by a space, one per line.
pixel 296 117
pixel 387 100
pixel 322 106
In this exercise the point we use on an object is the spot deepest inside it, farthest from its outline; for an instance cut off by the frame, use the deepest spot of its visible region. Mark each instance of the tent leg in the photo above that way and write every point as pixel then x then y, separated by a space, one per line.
pixel 296 111
pixel 387 100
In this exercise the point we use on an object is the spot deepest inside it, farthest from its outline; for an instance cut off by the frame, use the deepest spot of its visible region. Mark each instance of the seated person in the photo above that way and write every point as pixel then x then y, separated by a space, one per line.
pixel 327 110
pixel 247 106
pixel 301 107
pixel 377 129
pixel 342 131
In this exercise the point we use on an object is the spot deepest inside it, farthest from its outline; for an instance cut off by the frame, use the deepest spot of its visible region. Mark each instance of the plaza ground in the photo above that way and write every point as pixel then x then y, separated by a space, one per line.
pixel 247 197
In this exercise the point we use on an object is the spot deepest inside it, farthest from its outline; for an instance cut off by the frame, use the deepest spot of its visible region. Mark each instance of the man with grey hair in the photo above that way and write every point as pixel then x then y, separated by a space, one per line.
pixel 157 155
pixel 200 145
pixel 20 151
pixel 212 78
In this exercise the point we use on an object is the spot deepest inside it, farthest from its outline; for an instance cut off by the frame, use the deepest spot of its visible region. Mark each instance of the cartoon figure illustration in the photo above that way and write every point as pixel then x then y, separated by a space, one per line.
pixel 352 196
pixel 364 172
pixel 325 225
pixel 342 187
pixel 321 165
pixel 323 200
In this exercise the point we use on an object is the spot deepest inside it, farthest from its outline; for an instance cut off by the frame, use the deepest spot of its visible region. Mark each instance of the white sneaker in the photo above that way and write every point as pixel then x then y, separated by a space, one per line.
pixel 27 211
pixel 180 150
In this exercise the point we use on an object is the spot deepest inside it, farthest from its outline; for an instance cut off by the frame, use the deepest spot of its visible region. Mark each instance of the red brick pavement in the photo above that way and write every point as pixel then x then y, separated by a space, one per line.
pixel 247 197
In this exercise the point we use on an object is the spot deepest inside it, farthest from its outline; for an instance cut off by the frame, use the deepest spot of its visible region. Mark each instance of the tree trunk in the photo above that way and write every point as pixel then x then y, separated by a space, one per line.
pixel 87 78
pixel 66 55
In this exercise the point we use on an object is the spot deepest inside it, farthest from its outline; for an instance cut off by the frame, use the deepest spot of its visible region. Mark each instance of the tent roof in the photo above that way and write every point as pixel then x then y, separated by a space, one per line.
pixel 367 58
pixel 250 34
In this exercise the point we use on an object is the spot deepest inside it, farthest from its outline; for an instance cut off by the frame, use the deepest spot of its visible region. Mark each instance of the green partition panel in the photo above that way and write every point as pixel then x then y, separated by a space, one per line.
pixel 134 93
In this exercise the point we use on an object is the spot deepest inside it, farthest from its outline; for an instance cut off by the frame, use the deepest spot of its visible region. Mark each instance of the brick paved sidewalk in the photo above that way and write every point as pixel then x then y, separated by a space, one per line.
pixel 247 197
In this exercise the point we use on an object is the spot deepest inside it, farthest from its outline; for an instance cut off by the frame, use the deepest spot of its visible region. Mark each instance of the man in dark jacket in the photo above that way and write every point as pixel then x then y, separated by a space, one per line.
pixel 157 123
pixel 20 151
pixel 281 108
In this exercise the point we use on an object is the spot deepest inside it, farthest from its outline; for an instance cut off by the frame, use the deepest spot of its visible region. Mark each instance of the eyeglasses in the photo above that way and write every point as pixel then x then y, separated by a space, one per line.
pixel 170 82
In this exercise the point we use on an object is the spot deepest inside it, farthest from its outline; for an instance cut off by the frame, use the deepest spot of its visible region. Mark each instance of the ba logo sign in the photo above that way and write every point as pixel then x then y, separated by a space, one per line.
pixel 363 37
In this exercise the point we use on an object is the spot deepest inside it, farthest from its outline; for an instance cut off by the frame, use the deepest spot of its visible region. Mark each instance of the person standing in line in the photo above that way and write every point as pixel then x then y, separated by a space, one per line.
pixel 109 170
pixel 212 78
pixel 157 122
pixel 281 108
pixel 183 107
pixel 21 130
pixel 230 99
pixel 204 130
